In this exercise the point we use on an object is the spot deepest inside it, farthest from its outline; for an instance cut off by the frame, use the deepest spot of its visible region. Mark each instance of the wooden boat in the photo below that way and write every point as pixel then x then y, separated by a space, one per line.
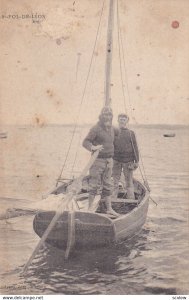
pixel 169 135
pixel 93 230
pixel 77 228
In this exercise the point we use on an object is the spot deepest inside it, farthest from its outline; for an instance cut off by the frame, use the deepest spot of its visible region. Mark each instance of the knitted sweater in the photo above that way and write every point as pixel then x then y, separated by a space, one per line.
pixel 98 135
pixel 125 145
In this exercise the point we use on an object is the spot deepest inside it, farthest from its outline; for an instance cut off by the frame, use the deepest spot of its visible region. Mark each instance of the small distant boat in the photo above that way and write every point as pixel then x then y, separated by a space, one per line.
pixel 169 135
pixel 3 135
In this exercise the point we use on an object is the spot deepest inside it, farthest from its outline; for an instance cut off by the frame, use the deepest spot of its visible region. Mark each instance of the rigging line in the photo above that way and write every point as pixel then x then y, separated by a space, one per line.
pixel 77 65
pixel 77 147
pixel 83 95
pixel 136 156
pixel 142 164
pixel 129 98
pixel 120 60
pixel 92 86
pixel 124 64
pixel 144 177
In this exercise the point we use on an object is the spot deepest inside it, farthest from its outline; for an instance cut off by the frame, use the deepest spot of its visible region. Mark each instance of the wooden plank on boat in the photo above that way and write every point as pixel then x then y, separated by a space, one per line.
pixel 120 200
pixel 82 196
pixel 71 233
pixel 131 223
pixel 109 216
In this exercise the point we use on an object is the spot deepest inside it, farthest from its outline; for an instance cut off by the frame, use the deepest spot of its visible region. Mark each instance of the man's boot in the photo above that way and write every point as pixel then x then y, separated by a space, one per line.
pixel 91 200
pixel 109 207
pixel 130 192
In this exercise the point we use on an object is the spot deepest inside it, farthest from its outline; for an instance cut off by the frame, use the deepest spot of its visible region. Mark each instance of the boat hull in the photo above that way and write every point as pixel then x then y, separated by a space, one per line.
pixel 90 230
pixel 130 224
pixel 93 230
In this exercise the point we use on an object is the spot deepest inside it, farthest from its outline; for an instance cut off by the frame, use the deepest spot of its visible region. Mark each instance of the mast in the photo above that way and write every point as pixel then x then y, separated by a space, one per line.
pixel 109 48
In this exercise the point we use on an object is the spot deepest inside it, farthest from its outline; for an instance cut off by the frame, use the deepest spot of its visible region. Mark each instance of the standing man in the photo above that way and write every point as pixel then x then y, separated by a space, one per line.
pixel 126 156
pixel 101 137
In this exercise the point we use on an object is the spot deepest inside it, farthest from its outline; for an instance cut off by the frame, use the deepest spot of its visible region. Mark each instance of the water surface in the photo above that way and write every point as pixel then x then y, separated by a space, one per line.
pixel 156 261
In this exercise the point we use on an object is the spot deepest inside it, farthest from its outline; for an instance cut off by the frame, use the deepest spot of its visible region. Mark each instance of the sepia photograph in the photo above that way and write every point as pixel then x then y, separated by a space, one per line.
pixel 94 139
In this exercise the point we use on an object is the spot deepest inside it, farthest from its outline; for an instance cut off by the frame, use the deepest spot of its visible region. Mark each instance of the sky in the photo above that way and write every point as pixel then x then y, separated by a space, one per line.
pixel 45 61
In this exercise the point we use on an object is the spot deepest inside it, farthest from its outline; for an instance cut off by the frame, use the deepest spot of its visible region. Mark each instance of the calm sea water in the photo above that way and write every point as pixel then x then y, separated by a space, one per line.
pixel 154 262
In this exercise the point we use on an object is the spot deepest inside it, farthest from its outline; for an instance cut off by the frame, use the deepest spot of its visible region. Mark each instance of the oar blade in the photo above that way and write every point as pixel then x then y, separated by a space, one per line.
pixel 43 239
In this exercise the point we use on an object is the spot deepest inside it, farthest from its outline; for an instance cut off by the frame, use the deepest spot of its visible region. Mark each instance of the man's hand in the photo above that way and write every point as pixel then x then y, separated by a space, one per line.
pixel 133 166
pixel 95 148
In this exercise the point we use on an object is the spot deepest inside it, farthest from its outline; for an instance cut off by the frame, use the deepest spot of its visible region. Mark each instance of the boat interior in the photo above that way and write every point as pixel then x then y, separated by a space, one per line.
pixel 121 204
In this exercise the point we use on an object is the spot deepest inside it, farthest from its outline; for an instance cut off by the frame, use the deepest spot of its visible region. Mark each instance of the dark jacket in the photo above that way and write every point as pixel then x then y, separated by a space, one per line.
pixel 125 146
pixel 98 135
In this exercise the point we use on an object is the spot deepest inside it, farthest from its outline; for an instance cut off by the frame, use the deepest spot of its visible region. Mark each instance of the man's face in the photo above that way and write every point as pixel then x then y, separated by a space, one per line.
pixel 122 122
pixel 107 119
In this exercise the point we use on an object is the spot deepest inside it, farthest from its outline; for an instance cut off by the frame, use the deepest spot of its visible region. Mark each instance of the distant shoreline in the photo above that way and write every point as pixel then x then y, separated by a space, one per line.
pixel 160 126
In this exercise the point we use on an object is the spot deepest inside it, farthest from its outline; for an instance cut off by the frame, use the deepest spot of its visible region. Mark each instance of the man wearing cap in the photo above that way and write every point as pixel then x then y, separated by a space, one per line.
pixel 126 155
pixel 101 137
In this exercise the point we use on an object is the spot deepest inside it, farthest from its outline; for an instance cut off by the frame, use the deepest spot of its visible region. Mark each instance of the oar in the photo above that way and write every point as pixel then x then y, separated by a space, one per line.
pixel 71 232
pixel 74 182
pixel 46 233
pixel 77 183
pixel 74 188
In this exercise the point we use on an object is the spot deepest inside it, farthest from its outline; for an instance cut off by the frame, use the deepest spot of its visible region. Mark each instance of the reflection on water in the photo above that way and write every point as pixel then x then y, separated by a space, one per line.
pixel 93 271
pixel 153 262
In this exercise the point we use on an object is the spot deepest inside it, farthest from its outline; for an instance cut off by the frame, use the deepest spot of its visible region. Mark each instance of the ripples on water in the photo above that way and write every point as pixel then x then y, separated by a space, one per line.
pixel 154 262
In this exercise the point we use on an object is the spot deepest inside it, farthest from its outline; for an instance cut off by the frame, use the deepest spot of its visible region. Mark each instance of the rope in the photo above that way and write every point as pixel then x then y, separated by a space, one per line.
pixel 120 61
pixel 99 33
pixel 120 42
pixel 129 98
pixel 82 98
pixel 124 64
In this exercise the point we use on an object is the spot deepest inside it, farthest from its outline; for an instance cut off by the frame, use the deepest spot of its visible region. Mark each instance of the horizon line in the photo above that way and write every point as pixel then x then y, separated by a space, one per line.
pixel 91 124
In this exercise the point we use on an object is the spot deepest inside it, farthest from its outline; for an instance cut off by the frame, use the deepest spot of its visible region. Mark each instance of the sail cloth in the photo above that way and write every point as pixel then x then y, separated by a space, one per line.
pixel 50 203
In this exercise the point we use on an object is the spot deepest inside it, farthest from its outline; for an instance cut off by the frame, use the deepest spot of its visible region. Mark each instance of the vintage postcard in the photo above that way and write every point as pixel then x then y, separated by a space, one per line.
pixel 94 139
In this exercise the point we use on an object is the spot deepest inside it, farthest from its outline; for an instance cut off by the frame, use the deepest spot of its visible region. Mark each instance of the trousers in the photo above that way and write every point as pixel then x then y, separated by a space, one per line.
pixel 128 174
pixel 100 177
